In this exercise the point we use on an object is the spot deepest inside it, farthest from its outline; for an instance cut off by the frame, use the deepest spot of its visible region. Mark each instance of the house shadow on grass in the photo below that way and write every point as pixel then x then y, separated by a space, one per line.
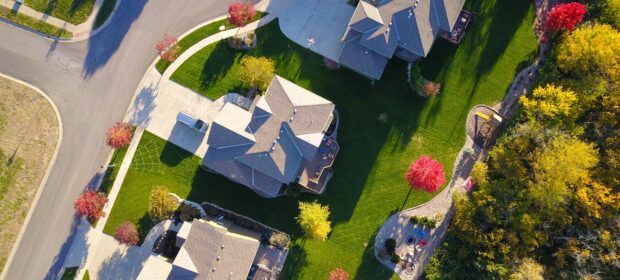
pixel 371 268
pixel 296 260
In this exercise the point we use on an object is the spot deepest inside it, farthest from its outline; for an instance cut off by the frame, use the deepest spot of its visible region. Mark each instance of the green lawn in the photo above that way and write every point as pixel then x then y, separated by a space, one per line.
pixel 33 23
pixel 201 33
pixel 112 171
pixel 383 128
pixel 104 12
pixel 69 273
pixel 72 11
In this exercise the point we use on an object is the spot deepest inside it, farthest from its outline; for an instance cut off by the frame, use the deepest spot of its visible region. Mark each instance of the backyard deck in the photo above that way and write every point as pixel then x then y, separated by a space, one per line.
pixel 316 173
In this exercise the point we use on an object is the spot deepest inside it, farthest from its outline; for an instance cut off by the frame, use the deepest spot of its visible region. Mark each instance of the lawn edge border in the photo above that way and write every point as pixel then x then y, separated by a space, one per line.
pixel 51 164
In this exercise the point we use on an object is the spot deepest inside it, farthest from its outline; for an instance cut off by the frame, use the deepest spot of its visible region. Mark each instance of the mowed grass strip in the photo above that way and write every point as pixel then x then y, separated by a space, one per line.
pixel 34 23
pixel 384 127
pixel 72 11
pixel 201 33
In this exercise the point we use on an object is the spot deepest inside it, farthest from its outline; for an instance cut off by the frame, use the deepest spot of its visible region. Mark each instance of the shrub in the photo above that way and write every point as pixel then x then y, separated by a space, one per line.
pixel 426 174
pixel 431 88
pixel 427 222
pixel 416 80
pixel 126 233
pixel 390 245
pixel 394 258
pixel 188 212
pixel 119 135
pixel 279 239
pixel 161 204
pixel 168 48
pixel 338 274
pixel 479 173
pixel 90 204
pixel 313 219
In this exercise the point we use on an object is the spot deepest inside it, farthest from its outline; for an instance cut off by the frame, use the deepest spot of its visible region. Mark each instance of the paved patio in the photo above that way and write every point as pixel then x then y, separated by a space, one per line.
pixel 320 21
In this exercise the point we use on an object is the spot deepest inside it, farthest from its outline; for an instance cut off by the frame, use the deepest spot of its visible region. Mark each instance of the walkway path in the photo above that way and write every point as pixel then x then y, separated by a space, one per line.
pixel 440 207
pixel 80 32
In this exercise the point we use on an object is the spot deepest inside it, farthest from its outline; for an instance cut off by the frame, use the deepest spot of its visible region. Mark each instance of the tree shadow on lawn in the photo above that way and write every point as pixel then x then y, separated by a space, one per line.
pixel 219 63
pixel 75 5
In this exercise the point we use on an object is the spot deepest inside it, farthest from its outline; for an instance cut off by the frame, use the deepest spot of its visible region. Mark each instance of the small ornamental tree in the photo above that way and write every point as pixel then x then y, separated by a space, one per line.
pixel 126 233
pixel 168 48
pixel 90 204
pixel 313 219
pixel 338 274
pixel 119 135
pixel 565 16
pixel 431 88
pixel 240 14
pixel 426 174
pixel 256 72
pixel 161 204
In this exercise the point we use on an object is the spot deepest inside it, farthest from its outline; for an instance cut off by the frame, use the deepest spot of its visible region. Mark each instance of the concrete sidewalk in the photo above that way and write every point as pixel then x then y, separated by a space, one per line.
pixel 80 32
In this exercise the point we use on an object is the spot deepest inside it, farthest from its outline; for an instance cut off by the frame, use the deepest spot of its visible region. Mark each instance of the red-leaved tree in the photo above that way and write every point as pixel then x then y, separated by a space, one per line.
pixel 426 174
pixel 240 14
pixel 338 274
pixel 119 135
pixel 90 204
pixel 126 233
pixel 565 16
pixel 168 48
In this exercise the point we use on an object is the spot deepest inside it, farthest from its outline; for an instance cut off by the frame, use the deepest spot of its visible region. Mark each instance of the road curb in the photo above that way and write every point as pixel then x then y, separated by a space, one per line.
pixel 37 196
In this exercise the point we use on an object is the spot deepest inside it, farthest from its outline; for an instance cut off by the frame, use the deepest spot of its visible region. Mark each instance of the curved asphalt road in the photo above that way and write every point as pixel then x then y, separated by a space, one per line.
pixel 91 82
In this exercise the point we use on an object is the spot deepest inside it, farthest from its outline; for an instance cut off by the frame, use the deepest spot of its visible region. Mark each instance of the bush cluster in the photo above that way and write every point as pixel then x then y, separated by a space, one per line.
pixel 428 222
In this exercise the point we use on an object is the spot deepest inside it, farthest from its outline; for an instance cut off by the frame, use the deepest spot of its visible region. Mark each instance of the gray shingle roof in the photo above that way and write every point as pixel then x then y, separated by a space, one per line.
pixel 271 140
pixel 218 252
pixel 406 23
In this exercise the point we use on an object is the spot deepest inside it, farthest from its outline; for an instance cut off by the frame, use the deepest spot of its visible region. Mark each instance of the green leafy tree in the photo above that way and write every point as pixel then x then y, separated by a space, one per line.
pixel 611 12
pixel 313 219
pixel 256 72
pixel 161 204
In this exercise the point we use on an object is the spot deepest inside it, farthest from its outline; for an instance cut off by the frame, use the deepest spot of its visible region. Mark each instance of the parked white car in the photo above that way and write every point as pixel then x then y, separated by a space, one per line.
pixel 192 122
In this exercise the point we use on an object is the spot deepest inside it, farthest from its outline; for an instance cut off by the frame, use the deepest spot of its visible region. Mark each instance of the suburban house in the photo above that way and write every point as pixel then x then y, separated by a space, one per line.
pixel 285 137
pixel 380 29
pixel 216 249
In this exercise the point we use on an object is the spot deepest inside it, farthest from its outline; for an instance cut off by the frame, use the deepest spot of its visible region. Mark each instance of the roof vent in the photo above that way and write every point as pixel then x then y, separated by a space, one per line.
pixel 415 5
pixel 213 269
pixel 218 258
pixel 222 246
pixel 294 111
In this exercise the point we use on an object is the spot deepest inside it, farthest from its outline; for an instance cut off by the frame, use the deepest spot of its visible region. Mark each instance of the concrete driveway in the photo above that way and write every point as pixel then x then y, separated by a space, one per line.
pixel 159 101
pixel 318 25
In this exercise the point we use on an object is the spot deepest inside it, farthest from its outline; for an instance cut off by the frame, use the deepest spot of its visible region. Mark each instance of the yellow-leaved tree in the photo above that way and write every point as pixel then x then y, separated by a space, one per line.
pixel 313 219
pixel 161 204
pixel 565 161
pixel 591 48
pixel 528 269
pixel 256 72
pixel 548 102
